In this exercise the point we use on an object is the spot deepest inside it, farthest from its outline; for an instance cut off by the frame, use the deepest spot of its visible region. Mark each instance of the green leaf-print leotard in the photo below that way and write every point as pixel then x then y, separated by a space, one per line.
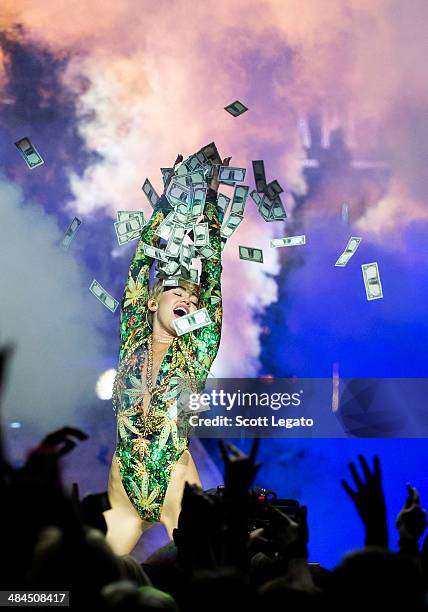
pixel 145 462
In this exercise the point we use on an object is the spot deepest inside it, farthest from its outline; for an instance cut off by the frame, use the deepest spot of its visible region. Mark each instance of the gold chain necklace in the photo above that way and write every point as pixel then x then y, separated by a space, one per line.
pixel 149 375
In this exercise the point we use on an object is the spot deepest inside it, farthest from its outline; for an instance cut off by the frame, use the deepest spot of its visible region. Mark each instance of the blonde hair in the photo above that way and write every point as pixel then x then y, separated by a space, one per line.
pixel 158 288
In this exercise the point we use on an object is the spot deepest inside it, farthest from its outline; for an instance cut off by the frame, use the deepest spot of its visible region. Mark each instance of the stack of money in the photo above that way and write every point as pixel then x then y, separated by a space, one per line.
pixel 269 204
pixel 186 192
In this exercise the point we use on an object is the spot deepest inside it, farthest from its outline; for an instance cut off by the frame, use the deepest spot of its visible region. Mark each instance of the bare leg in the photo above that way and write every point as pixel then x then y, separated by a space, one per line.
pixel 124 524
pixel 184 470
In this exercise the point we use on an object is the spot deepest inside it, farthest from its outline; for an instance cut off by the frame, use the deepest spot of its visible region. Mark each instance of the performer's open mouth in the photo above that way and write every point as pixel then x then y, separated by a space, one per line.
pixel 181 310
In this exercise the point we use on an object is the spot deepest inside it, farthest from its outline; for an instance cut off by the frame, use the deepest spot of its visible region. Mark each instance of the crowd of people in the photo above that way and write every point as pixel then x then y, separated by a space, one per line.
pixel 54 541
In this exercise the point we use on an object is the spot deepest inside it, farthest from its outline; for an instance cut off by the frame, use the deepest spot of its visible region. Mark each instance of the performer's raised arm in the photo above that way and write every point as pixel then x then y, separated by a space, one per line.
pixel 133 319
pixel 207 338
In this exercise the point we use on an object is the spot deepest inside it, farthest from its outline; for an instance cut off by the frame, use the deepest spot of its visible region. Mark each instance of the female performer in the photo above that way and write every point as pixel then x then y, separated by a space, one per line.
pixel 152 461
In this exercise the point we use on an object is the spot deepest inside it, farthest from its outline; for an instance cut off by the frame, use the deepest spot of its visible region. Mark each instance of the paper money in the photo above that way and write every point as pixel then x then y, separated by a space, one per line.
pixel 236 108
pixel 29 153
pixel 191 321
pixel 200 233
pixel 257 198
pixel 154 252
pixel 70 233
pixel 273 189
pixel 228 173
pixel 194 178
pixel 104 297
pixel 175 241
pixel 222 202
pixel 124 215
pixel 128 230
pixel 287 241
pixel 277 211
pixel 177 194
pixel 210 153
pixel 250 254
pixel 180 216
pixel 150 192
pixel 185 257
pixel 350 249
pixel 199 195
pixel 229 226
pixel 193 273
pixel 169 268
pixel 206 252
pixel 171 282
pixel 259 174
pixel 239 199
pixel 164 229
pixel 265 207
pixel 372 281
pixel 166 174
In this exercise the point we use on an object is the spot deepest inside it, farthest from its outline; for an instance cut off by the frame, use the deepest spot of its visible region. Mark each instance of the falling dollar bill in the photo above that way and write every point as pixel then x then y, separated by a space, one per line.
pixel 177 193
pixel 191 321
pixel 250 254
pixel 236 108
pixel 277 211
pixel 264 205
pixel 256 197
pixel 227 173
pixel 259 174
pixel 199 195
pixel 29 153
pixel 171 282
pixel 128 230
pixel 372 281
pixel 288 241
pixel 164 229
pixel 175 241
pixel 154 252
pixel 201 235
pixel 150 192
pixel 124 215
pixel 206 252
pixel 194 274
pixel 350 249
pixel 222 202
pixel 239 199
pixel 273 189
pixel 210 153
pixel 70 233
pixel 230 224
pixel 169 268
pixel 166 175
pixel 104 297
pixel 185 257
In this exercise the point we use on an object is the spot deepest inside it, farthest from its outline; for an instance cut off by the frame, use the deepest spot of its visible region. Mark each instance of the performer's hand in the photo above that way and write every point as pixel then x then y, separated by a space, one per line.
pixel 214 180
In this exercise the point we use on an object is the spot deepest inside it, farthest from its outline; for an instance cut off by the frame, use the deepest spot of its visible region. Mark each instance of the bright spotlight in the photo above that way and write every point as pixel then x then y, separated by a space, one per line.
pixel 104 386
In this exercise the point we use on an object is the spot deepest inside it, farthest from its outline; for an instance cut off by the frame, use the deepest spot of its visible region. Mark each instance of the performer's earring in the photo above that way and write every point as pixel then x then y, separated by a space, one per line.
pixel 152 303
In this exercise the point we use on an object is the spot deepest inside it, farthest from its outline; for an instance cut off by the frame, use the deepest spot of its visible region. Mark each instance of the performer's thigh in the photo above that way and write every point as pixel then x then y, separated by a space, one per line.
pixel 184 470
pixel 118 497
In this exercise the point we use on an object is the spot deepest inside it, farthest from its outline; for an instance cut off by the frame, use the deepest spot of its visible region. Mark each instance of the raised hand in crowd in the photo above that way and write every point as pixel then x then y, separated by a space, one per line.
pixel 369 501
pixel 239 469
pixel 198 529
pixel 411 522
